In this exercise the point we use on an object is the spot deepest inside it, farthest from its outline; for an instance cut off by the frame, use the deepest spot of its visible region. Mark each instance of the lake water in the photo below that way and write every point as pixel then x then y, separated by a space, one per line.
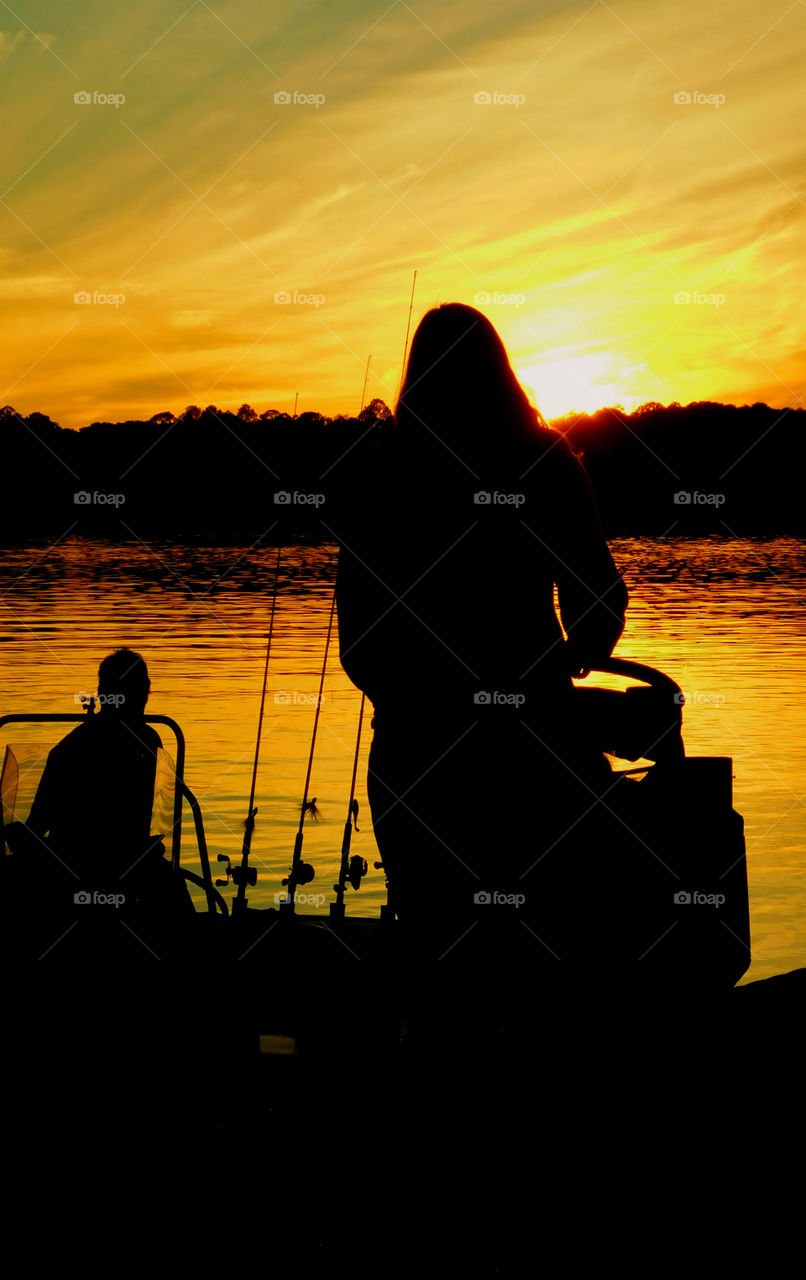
pixel 725 618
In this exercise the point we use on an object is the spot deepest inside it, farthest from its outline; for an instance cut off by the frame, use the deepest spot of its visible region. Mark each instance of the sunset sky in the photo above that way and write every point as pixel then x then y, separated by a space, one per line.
pixel 530 159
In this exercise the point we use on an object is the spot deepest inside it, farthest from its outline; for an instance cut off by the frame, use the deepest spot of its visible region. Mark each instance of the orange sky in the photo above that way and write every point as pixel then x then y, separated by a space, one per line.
pixel 533 158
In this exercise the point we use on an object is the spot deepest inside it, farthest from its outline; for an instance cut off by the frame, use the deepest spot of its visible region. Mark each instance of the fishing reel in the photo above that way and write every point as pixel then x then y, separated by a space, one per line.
pixel 356 871
pixel 303 873
pixel 238 875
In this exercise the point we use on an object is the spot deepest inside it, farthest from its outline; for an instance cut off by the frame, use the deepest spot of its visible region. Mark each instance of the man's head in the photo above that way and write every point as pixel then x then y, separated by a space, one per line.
pixel 123 683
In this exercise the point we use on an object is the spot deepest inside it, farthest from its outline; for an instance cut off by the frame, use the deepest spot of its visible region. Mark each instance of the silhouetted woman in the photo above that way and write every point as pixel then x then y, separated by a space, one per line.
pixel 461 525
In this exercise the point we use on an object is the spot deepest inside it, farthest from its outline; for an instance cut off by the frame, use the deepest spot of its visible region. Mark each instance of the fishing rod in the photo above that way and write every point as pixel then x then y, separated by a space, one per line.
pixel 302 872
pixel 353 869
pixel 246 875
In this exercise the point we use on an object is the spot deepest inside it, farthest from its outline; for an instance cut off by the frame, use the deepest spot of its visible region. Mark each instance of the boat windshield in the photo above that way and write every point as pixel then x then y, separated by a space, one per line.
pixel 24 763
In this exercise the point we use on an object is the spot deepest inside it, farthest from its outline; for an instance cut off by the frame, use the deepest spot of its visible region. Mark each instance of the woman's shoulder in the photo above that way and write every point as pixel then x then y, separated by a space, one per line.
pixel 551 463
pixel 552 446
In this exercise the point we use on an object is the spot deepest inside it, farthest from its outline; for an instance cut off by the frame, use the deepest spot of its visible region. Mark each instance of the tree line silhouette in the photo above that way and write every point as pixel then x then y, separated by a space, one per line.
pixel 702 468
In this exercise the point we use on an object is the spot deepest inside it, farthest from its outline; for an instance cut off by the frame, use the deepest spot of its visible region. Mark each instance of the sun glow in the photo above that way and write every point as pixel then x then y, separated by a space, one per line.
pixel 634 240
pixel 581 383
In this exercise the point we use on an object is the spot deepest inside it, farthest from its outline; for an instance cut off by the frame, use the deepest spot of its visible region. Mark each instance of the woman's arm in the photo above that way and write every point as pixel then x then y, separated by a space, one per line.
pixel 592 594
pixel 361 602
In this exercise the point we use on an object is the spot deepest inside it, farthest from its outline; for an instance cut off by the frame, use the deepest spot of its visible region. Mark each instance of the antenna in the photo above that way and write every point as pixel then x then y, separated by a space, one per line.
pixel 364 388
pixel 408 328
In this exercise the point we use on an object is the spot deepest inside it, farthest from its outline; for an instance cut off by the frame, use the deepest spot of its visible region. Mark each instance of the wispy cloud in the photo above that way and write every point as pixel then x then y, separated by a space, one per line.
pixel 507 153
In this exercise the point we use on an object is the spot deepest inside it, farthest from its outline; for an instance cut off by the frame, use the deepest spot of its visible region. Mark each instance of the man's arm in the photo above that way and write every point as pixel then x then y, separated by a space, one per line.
pixel 44 806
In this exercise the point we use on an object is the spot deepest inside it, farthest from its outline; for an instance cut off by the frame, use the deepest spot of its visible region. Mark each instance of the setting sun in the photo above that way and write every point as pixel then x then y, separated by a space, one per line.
pixel 580 383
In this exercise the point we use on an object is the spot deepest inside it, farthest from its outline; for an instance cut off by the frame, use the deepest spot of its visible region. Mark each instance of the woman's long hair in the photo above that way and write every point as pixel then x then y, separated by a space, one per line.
pixel 459 387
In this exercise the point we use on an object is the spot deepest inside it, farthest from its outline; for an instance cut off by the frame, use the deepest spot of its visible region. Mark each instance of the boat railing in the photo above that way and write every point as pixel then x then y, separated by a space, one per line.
pixel 215 902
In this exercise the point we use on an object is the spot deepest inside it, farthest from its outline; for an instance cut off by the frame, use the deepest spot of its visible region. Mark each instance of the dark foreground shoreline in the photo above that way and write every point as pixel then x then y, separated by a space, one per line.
pixel 151 1136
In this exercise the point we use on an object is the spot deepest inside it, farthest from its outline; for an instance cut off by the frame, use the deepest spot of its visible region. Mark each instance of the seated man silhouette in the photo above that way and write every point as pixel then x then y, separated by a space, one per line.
pixel 90 823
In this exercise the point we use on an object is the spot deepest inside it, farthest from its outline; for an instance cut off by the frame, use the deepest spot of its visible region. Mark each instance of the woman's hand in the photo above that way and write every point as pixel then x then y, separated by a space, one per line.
pixel 576 668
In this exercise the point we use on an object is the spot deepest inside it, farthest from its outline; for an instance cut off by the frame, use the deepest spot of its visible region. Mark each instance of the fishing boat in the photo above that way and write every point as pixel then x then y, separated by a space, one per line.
pixel 247 1052
pixel 671 901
